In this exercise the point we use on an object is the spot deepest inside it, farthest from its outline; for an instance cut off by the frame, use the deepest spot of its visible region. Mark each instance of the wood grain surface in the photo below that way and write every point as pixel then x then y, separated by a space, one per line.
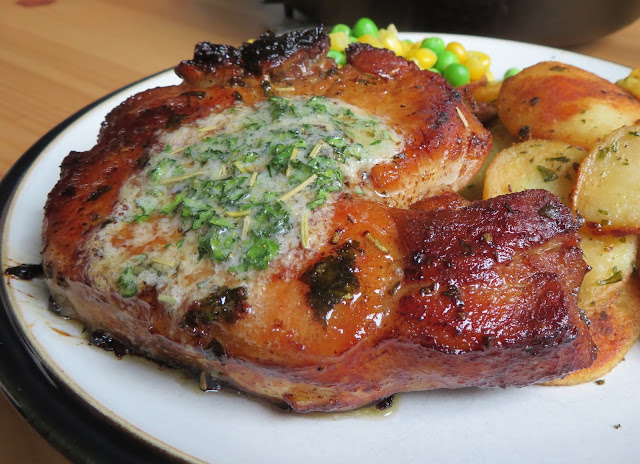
pixel 58 56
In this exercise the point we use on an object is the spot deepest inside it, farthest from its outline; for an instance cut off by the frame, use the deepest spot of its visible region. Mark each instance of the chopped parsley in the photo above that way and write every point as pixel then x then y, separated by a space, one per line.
pixel 562 159
pixel 547 174
pixel 613 148
pixel 128 283
pixel 615 277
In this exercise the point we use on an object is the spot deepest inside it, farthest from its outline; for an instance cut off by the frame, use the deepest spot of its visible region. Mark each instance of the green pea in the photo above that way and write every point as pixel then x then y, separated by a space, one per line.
pixel 364 26
pixel 341 28
pixel 457 74
pixel 434 70
pixel 445 59
pixel 352 39
pixel 434 43
pixel 511 72
pixel 339 57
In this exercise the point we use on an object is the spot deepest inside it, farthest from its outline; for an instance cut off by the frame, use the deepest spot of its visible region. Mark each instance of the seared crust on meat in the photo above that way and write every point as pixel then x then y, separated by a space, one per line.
pixel 270 57
pixel 438 295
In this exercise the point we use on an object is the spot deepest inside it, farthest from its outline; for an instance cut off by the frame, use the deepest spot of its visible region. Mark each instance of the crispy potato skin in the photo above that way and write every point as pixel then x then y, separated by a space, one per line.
pixel 479 295
pixel 552 100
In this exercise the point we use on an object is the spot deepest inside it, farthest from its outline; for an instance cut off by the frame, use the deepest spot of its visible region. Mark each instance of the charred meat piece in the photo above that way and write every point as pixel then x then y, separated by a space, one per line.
pixel 260 222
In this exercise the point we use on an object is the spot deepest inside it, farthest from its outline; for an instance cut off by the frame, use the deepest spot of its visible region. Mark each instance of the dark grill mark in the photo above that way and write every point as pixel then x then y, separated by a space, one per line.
pixel 194 93
pixel 175 120
pixel 97 193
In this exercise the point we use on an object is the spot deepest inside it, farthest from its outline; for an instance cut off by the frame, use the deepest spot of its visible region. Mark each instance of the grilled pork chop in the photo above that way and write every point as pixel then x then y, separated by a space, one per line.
pixel 265 222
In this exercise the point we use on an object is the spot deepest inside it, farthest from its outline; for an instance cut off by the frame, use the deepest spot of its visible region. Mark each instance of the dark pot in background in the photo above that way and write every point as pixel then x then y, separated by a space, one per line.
pixel 549 22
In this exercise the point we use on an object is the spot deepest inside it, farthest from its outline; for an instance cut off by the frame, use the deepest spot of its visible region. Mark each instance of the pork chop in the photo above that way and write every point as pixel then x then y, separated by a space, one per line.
pixel 264 223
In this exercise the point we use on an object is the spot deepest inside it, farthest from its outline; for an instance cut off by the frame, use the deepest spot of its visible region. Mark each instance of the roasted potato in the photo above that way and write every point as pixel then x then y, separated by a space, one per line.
pixel 612 261
pixel 535 164
pixel 607 193
pixel 552 100
pixel 614 330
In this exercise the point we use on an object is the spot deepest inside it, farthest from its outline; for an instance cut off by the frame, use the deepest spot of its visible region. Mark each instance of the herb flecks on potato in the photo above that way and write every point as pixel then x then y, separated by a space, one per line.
pixel 607 193
pixel 534 164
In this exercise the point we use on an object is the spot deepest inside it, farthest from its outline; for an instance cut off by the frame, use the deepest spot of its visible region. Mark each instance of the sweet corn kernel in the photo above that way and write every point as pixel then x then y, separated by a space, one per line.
pixel 393 44
pixel 392 29
pixel 635 73
pixel 475 67
pixel 424 58
pixel 383 34
pixel 339 41
pixel 482 56
pixel 409 48
pixel 371 40
pixel 631 84
pixel 457 49
pixel 405 47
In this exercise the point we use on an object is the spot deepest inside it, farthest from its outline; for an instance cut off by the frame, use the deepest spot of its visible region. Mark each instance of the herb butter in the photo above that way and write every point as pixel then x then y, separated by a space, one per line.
pixel 238 189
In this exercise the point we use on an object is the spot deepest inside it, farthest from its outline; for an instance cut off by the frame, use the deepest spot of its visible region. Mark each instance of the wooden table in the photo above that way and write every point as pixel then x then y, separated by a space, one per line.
pixel 58 57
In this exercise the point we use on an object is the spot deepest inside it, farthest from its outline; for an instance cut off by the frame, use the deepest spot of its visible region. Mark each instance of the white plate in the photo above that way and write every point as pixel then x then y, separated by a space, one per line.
pixel 528 425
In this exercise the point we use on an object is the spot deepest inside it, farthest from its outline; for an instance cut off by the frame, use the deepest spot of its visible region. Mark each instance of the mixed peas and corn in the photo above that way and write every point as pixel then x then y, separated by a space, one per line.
pixel 457 64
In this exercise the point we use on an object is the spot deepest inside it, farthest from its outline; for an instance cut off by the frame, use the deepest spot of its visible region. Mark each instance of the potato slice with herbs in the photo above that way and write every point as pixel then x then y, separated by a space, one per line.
pixel 535 164
pixel 500 139
pixel 552 100
pixel 612 262
pixel 607 194
pixel 614 330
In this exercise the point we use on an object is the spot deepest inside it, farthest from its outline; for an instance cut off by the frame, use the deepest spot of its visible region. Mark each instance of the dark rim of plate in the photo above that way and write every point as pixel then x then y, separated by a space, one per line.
pixel 60 415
